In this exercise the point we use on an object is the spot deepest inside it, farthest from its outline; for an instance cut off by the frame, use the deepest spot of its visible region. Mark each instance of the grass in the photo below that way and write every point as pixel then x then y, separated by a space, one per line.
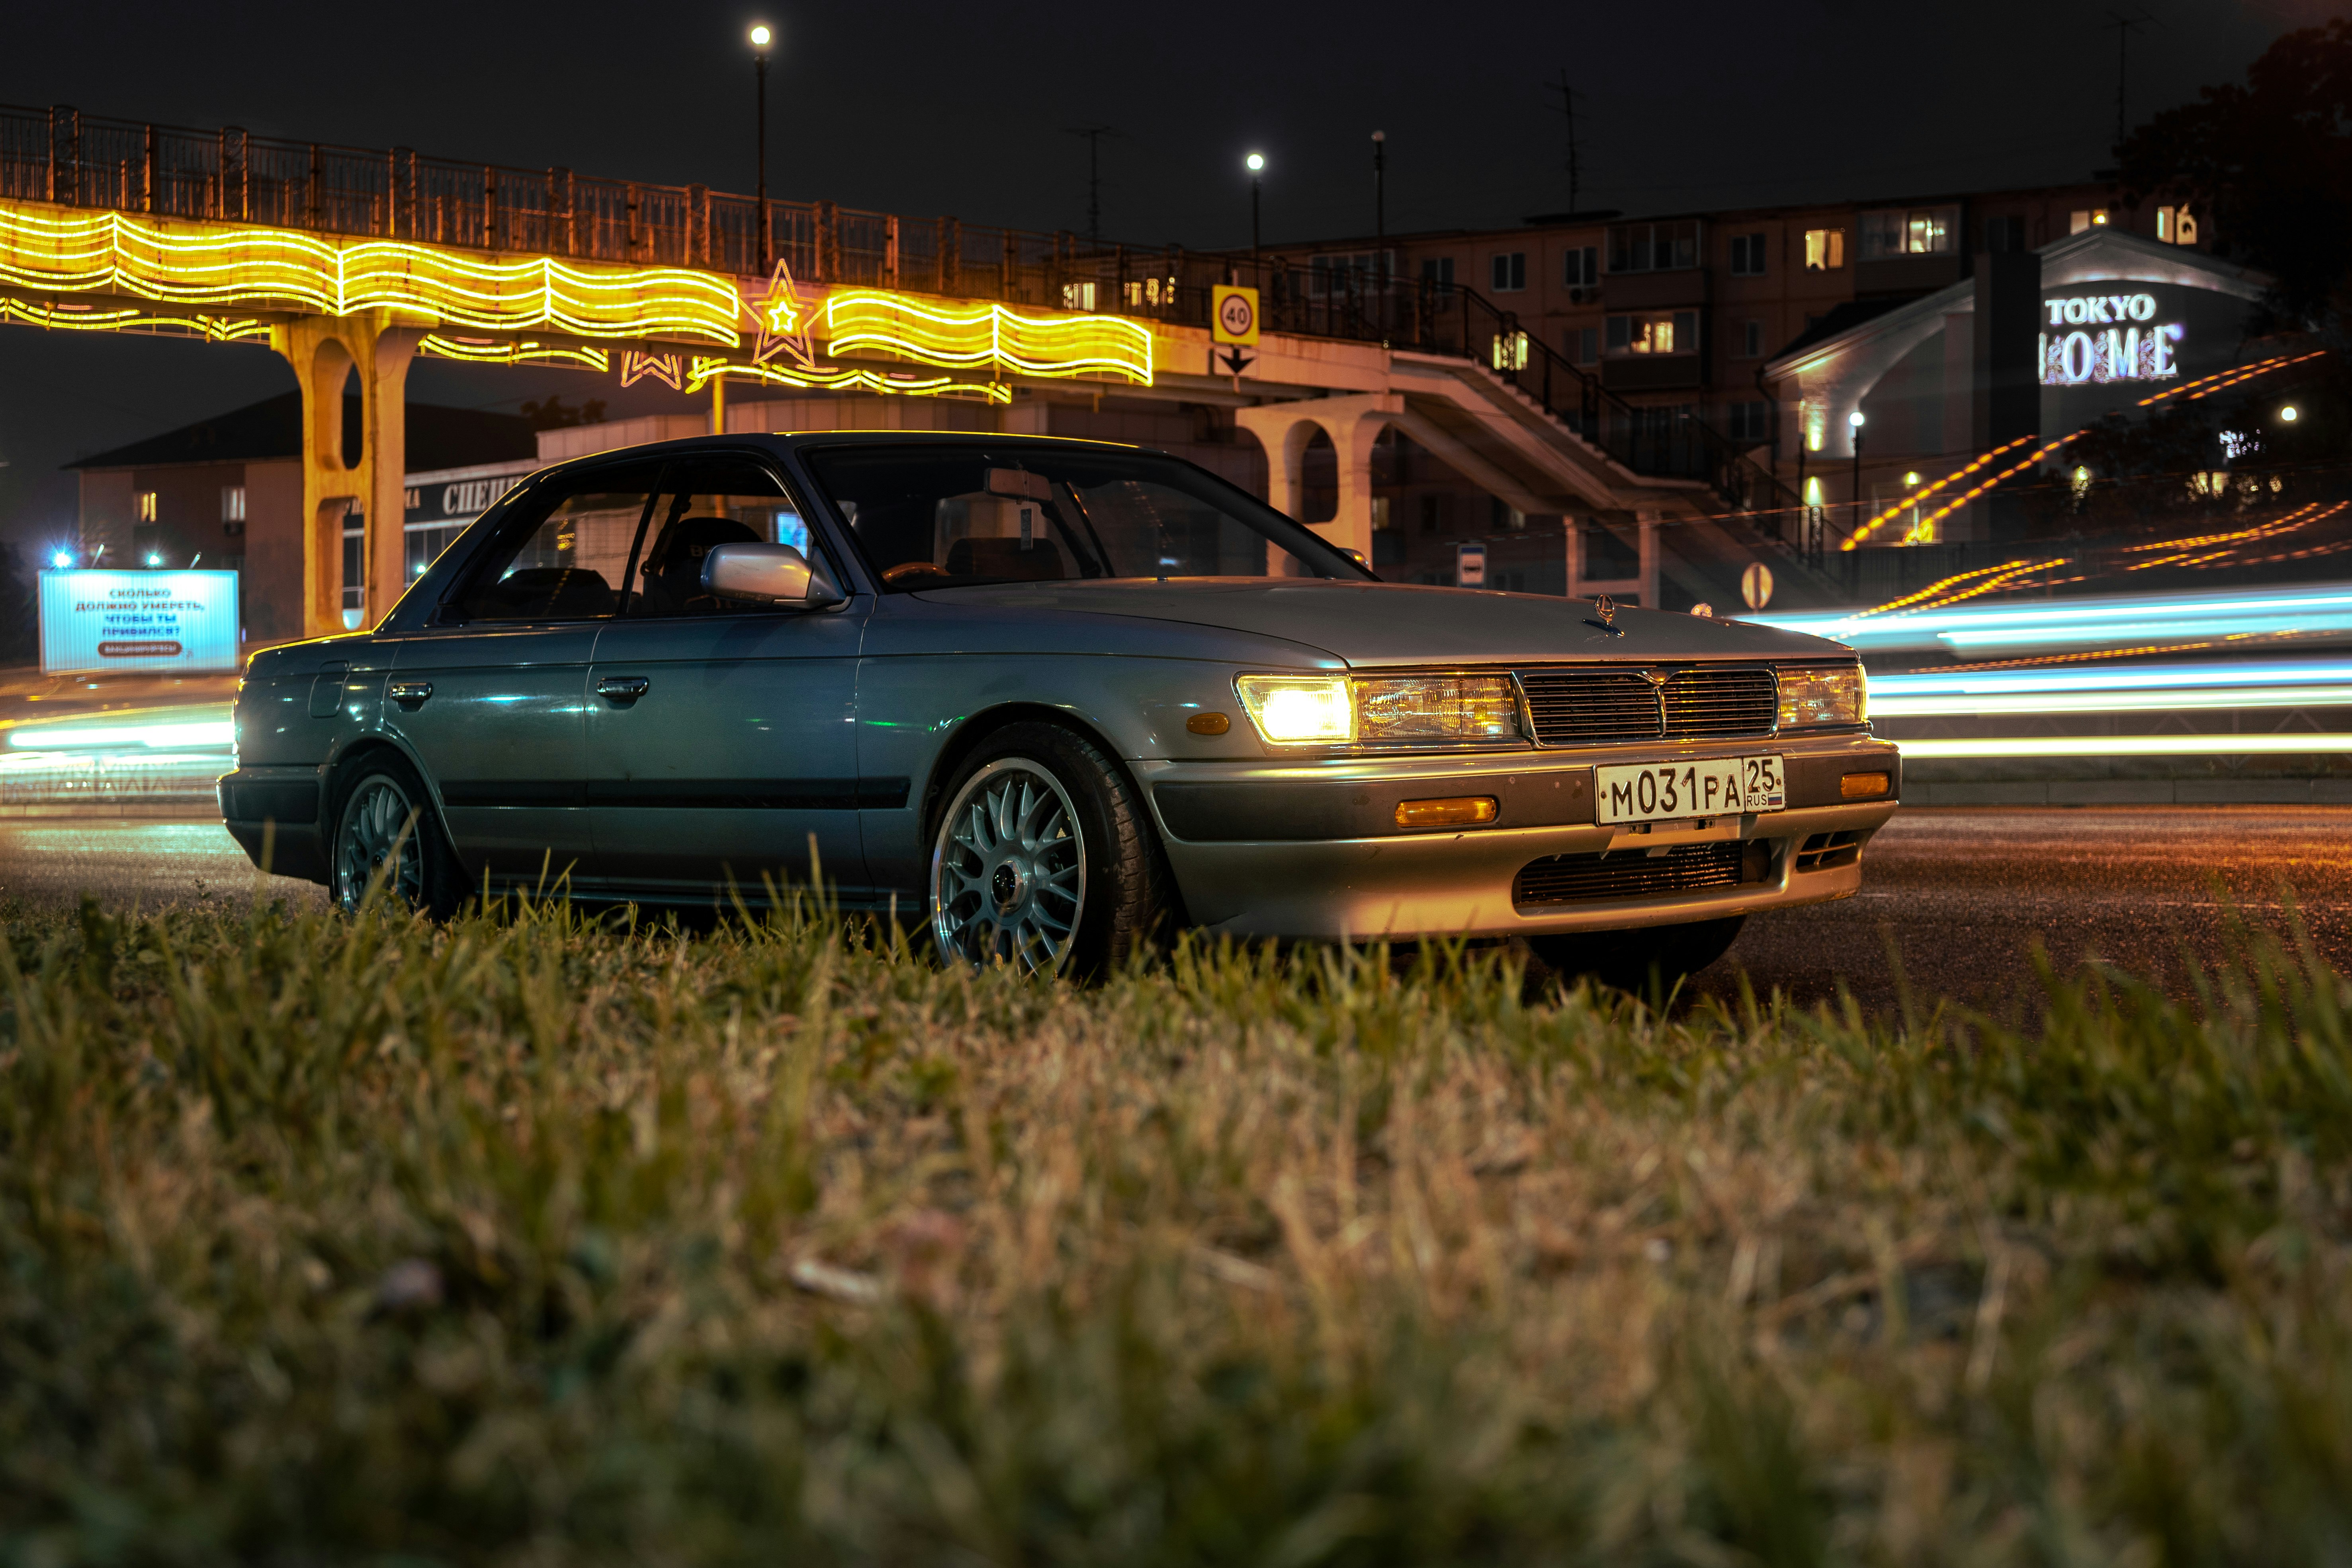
pixel 528 1240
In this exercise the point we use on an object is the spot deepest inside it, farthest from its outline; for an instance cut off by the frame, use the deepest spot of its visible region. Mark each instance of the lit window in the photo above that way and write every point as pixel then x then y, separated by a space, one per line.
pixel 1510 351
pixel 1747 255
pixel 1824 249
pixel 1509 271
pixel 1078 296
pixel 1927 235
pixel 1658 333
pixel 2176 225
pixel 2082 218
pixel 146 506
pixel 232 503
pixel 1582 268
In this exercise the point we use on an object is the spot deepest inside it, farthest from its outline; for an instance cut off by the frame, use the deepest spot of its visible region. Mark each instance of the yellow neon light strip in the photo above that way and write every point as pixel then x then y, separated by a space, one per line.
pixel 847 378
pixel 526 352
pixel 985 334
pixel 218 329
pixel 202 264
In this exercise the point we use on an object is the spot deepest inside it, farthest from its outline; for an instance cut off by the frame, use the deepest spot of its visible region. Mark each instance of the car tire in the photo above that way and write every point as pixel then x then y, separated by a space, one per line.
pixel 386 810
pixel 1042 857
pixel 1649 962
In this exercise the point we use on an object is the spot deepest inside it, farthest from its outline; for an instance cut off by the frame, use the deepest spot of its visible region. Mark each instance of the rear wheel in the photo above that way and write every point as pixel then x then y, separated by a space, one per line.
pixel 1042 858
pixel 385 831
pixel 1649 962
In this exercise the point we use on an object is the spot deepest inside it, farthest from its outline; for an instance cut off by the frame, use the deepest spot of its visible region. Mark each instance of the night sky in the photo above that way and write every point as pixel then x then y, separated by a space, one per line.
pixel 930 109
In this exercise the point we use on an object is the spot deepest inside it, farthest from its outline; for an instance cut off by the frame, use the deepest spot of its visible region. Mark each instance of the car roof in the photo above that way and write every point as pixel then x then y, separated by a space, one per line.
pixel 793 440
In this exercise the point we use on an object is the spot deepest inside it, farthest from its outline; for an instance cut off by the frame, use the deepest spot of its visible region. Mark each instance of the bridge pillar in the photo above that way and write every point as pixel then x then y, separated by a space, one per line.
pixel 1354 424
pixel 325 350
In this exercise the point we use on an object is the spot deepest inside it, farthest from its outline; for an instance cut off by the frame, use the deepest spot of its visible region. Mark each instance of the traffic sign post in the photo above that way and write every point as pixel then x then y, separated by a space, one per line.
pixel 1233 314
pixel 1469 565
pixel 1756 585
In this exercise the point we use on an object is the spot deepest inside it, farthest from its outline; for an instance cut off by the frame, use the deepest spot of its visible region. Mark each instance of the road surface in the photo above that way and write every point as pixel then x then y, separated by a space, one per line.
pixel 1958 896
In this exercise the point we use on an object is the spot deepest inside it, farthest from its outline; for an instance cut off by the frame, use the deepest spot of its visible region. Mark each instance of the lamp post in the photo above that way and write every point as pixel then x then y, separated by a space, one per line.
pixel 1854 423
pixel 761 38
pixel 1257 163
pixel 1381 215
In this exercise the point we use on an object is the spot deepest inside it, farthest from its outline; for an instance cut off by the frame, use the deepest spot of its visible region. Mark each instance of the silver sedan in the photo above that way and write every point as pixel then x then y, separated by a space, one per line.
pixel 1061 698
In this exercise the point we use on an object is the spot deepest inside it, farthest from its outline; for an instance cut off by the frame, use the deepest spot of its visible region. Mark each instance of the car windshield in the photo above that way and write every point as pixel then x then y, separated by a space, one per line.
pixel 940 516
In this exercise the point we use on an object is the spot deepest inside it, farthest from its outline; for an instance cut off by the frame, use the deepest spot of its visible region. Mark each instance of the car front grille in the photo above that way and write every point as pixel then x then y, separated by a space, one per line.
pixel 1637 873
pixel 1601 703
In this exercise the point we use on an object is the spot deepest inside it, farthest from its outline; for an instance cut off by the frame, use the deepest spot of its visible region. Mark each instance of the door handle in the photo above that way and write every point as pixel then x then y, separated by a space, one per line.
pixel 623 688
pixel 411 693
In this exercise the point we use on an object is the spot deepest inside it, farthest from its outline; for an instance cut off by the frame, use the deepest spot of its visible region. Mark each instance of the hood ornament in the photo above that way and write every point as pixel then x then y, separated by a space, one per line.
pixel 1606 609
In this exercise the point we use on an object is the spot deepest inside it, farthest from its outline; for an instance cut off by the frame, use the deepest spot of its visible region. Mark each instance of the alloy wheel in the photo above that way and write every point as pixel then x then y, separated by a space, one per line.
pixel 1008 872
pixel 379 823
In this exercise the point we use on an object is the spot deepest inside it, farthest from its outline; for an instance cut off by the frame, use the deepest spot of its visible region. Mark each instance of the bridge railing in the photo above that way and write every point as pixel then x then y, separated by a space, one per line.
pixel 61 155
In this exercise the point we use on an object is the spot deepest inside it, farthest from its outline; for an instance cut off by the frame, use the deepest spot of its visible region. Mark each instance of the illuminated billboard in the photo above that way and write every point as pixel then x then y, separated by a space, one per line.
pixel 2115 337
pixel 121 621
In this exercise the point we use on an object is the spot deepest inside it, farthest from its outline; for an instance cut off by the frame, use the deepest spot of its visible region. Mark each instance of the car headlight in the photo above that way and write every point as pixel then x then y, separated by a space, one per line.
pixel 1815 695
pixel 1412 710
pixel 1426 710
pixel 1289 710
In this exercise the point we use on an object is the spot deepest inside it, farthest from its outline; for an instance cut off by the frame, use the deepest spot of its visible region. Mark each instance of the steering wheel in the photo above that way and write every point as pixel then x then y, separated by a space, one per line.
pixel 907 571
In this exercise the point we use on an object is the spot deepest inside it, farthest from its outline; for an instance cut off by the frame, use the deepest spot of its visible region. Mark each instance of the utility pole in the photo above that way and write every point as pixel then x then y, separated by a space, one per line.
pixel 1094 136
pixel 2122 25
pixel 1381 211
pixel 1568 112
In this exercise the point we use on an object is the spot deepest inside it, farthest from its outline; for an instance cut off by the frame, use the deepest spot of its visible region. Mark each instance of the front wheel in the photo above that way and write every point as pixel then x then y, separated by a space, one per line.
pixel 386 834
pixel 1044 858
pixel 1650 961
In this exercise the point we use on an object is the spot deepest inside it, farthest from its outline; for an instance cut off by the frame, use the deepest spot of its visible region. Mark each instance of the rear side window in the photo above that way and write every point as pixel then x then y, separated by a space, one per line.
pixel 564 553
pixel 951 516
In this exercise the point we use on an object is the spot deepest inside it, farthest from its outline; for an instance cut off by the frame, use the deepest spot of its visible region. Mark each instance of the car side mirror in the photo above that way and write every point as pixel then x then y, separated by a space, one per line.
pixel 767 573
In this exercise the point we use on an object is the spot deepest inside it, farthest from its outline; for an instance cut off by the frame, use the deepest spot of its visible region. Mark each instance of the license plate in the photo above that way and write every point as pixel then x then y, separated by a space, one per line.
pixel 1661 791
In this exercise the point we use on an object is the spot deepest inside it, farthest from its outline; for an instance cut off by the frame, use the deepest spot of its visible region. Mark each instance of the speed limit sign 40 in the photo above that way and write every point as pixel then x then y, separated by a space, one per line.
pixel 1234 312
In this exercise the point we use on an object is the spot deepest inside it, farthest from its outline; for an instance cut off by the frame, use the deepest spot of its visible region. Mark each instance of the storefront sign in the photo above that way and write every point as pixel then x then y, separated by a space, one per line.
pixel 93 621
pixel 2116 338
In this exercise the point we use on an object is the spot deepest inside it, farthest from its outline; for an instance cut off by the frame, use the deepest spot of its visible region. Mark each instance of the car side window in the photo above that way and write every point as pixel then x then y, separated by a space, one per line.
pixel 565 552
pixel 706 501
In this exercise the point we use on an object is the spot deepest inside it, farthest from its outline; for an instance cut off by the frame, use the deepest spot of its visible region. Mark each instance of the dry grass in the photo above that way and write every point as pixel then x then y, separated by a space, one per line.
pixel 522 1240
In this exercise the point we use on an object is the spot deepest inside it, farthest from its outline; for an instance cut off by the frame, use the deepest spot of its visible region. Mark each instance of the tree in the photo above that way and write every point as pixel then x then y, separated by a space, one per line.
pixel 555 415
pixel 2267 166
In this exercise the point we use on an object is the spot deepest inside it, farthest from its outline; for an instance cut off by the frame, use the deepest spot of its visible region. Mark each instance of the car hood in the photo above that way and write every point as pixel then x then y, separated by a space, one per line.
pixel 1370 624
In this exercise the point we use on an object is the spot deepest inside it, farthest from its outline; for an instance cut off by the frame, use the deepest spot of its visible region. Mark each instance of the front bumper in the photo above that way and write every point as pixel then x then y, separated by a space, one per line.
pixel 1311 849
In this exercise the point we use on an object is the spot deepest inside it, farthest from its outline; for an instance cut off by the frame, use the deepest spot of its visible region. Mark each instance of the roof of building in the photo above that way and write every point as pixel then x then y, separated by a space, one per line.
pixel 437 437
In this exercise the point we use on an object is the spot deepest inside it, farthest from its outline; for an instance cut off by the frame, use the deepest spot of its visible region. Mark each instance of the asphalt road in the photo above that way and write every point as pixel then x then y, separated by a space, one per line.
pixel 1957 896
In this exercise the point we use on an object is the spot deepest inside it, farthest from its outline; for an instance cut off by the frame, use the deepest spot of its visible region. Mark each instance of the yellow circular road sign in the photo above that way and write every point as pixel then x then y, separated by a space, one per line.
pixel 1234 310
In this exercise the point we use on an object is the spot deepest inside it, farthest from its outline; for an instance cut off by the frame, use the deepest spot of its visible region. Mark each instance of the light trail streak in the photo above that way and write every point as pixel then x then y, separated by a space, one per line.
pixel 2109 620
pixel 2025 746
pixel 208 726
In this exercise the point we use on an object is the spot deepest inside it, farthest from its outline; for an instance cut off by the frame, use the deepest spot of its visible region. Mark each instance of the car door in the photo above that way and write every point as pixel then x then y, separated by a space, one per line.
pixel 491 696
pixel 720 735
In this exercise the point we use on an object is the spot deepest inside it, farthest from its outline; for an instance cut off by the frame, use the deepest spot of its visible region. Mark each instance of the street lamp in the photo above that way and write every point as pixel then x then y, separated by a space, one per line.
pixel 1257 163
pixel 761 39
pixel 1854 423
pixel 1380 213
pixel 2290 414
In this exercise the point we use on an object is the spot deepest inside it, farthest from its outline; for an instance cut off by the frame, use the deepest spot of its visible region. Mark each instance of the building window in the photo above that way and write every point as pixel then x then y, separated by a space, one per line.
pixel 1437 271
pixel 2176 225
pixel 1151 291
pixel 1582 345
pixel 1510 271
pixel 1078 296
pixel 1433 515
pixel 2004 234
pixel 1750 424
pixel 1922 231
pixel 1654 246
pixel 354 570
pixel 2082 218
pixel 1510 351
pixel 1358 273
pixel 1654 332
pixel 1747 255
pixel 232 503
pixel 146 499
pixel 1824 249
pixel 1751 340
pixel 1582 269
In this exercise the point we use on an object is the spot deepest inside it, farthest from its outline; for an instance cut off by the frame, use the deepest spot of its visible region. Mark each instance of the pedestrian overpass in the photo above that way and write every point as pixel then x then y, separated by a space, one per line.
pixel 351 263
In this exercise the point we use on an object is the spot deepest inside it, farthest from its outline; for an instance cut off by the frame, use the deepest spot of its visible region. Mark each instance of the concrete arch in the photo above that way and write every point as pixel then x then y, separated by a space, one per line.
pixel 325 351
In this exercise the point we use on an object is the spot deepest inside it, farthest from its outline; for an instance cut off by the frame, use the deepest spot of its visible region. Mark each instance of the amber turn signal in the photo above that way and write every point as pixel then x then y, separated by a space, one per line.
pixel 1208 723
pixel 1458 811
pixel 1865 786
